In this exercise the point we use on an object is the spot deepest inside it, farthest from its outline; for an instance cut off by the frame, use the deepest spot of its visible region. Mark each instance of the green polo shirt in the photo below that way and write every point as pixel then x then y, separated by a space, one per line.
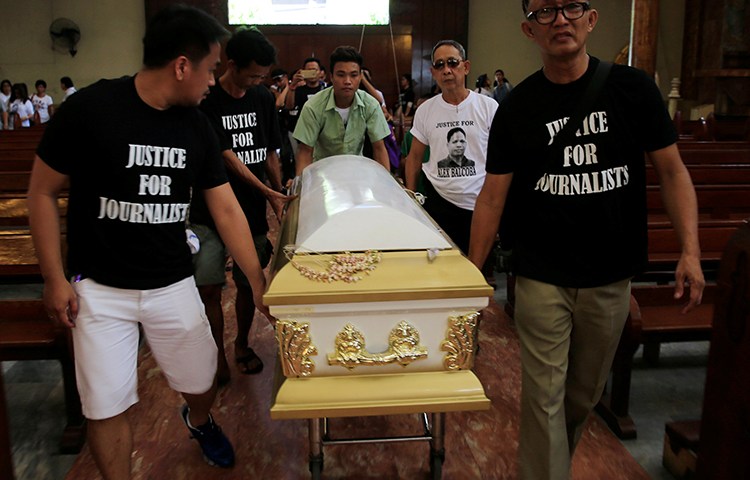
pixel 320 126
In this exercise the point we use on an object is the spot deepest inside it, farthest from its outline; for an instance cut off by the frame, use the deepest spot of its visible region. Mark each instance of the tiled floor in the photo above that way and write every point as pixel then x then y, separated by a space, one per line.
pixel 670 391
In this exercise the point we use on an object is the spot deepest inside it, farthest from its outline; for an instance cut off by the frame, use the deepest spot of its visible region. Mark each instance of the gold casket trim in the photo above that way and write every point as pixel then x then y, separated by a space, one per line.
pixel 351 351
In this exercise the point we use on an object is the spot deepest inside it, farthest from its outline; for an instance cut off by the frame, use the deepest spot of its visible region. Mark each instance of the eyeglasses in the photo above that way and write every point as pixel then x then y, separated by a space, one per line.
pixel 451 62
pixel 571 11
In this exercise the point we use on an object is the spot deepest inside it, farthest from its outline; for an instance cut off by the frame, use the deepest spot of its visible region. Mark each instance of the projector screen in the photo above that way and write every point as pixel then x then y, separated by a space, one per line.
pixel 308 12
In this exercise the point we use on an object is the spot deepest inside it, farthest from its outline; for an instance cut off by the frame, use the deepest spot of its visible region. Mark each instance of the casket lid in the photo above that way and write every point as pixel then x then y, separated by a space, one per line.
pixel 351 203
pixel 406 275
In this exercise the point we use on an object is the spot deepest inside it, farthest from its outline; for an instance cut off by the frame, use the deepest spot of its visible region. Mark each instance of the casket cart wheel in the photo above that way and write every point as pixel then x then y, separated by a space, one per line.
pixel 436 464
pixel 316 466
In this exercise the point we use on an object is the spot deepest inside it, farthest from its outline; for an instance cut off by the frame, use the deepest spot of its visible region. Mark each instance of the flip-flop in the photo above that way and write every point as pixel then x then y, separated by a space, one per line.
pixel 249 364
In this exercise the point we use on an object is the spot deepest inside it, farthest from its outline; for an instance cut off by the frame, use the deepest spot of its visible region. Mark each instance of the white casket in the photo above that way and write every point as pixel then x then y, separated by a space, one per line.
pixel 397 338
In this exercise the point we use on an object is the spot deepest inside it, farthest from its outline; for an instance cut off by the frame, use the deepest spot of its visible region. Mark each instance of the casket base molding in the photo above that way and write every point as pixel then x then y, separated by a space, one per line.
pixel 387 394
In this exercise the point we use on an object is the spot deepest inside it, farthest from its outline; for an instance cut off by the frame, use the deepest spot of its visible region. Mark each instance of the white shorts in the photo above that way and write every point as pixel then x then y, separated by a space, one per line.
pixel 105 340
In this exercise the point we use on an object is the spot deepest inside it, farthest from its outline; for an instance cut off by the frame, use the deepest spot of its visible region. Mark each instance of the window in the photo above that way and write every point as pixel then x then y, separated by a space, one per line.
pixel 308 12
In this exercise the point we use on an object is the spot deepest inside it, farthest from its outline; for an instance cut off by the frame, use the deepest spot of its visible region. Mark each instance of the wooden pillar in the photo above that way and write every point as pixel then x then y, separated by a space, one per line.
pixel 644 31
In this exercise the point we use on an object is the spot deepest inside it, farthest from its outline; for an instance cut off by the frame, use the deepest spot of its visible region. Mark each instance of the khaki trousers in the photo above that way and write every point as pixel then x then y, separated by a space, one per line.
pixel 568 340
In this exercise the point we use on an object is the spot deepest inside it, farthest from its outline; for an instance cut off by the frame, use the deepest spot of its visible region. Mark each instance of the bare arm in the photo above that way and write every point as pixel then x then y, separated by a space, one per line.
pixel 414 163
pixel 297 81
pixel 235 232
pixel 678 195
pixel 277 199
pixel 380 154
pixel 372 91
pixel 60 300
pixel 487 213
pixel 304 157
pixel 282 96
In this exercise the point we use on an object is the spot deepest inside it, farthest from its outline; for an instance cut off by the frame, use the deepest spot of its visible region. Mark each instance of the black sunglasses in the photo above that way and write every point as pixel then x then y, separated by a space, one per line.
pixel 451 62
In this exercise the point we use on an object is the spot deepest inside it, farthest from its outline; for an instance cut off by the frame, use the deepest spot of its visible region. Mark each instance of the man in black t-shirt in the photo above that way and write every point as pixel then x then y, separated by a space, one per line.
pixel 578 224
pixel 133 151
pixel 305 83
pixel 244 116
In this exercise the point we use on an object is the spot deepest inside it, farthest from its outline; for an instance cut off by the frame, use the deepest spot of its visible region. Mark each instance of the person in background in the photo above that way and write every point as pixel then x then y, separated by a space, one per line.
pixel 66 84
pixel 21 108
pixel 134 150
pixel 6 90
pixel 580 233
pixel 502 86
pixel 43 103
pixel 483 85
pixel 451 188
pixel 301 89
pixel 405 106
pixel 280 88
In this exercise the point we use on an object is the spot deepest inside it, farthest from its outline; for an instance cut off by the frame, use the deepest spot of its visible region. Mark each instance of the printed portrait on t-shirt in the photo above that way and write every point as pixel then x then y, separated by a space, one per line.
pixel 456 164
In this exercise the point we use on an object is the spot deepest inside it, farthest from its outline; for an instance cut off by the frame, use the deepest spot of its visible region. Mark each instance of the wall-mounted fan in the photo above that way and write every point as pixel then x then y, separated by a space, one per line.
pixel 65 35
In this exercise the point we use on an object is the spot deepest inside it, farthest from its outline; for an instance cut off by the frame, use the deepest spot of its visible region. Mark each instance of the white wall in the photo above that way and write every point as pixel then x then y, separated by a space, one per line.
pixel 110 45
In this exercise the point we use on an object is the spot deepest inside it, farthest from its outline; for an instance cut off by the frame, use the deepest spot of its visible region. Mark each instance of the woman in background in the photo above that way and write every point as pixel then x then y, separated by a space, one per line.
pixel 21 108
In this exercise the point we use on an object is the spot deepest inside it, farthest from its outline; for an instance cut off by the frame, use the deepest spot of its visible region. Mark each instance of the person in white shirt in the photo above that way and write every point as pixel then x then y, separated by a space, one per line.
pixel 5 91
pixel 66 84
pixel 43 103
pixel 21 109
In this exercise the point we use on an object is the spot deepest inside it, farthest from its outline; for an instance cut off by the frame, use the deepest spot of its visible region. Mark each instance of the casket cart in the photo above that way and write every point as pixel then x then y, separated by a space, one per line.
pixel 377 310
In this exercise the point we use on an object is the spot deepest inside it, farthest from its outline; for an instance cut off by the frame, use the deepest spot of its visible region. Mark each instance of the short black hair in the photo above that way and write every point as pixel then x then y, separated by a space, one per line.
pixel 345 53
pixel 2 84
pixel 313 59
pixel 180 30
pixel 453 131
pixel 40 82
pixel 278 73
pixel 249 45
pixel 66 82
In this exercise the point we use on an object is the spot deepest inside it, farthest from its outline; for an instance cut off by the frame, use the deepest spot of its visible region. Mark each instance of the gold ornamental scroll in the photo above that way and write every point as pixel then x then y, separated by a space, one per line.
pixel 295 348
pixel 460 342
pixel 403 348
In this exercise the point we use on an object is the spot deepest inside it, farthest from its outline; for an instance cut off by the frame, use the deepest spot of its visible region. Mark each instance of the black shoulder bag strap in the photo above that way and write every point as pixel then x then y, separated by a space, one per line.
pixel 594 88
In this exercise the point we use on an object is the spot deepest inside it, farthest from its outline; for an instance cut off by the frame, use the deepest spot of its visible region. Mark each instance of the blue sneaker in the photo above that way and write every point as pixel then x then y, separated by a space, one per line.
pixel 215 445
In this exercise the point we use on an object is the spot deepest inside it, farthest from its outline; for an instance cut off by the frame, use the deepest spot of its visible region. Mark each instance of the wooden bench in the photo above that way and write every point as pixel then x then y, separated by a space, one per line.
pixel 27 334
pixel 715 201
pixel 14 211
pixel 654 318
pixel 706 174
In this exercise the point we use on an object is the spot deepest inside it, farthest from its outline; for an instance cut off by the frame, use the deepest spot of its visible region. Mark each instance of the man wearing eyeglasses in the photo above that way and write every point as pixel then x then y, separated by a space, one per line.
pixel 243 113
pixel 463 117
pixel 579 226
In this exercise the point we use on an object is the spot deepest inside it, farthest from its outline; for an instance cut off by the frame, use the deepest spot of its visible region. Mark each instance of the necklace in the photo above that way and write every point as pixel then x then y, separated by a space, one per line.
pixel 342 266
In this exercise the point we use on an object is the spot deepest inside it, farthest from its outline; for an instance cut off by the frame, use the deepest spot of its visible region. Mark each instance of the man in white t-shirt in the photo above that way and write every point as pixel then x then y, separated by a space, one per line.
pixel 42 102
pixel 463 118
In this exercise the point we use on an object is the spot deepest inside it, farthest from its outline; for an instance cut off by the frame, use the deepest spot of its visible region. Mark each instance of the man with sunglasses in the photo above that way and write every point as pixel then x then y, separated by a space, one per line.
pixel 579 227
pixel 457 114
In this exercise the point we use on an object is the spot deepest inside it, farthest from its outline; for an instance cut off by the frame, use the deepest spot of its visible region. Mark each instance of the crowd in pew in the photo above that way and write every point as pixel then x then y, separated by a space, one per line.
pixel 21 110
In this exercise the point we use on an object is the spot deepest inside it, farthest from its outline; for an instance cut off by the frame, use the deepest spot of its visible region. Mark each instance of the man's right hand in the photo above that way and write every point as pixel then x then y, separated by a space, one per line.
pixel 60 302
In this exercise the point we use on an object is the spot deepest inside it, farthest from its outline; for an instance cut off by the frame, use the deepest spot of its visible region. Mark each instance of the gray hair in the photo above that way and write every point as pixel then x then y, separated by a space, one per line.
pixel 452 43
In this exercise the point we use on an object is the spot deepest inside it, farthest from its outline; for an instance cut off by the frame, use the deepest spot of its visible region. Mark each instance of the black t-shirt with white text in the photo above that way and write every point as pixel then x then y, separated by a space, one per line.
pixel 579 205
pixel 248 126
pixel 132 171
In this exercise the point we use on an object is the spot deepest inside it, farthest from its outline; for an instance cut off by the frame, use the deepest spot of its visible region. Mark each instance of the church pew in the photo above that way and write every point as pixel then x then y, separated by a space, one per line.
pixel 719 154
pixel 18 262
pixel 14 210
pixel 654 318
pixel 717 201
pixel 26 333
pixel 704 174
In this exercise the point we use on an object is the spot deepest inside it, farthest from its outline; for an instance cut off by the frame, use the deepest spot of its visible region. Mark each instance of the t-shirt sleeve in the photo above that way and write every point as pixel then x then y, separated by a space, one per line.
pixel 500 145
pixel 213 172
pixel 62 136
pixel 418 130
pixel 652 117
pixel 308 126
pixel 377 126
pixel 274 130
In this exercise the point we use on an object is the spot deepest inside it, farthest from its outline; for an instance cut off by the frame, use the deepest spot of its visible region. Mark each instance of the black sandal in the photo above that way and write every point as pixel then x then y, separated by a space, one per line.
pixel 250 363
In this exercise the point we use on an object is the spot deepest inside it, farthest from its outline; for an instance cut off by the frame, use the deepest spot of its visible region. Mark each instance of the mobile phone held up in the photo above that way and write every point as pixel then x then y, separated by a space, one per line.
pixel 308 74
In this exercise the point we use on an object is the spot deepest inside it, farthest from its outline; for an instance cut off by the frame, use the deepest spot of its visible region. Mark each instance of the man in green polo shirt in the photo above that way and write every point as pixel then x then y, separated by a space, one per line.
pixel 335 120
